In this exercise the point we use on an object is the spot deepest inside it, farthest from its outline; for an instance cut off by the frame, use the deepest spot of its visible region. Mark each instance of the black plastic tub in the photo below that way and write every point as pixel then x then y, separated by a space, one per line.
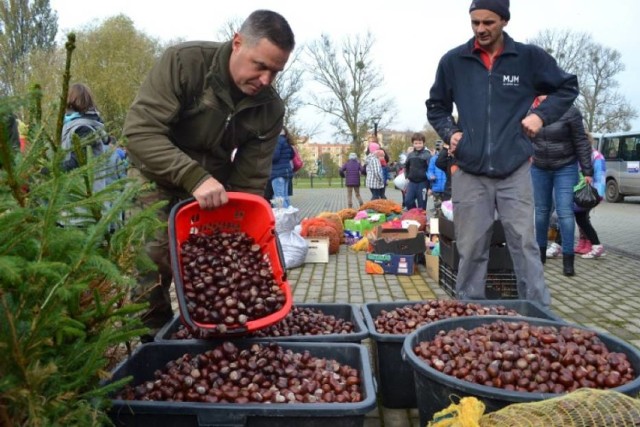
pixel 434 389
pixel 150 357
pixel 350 312
pixel 393 372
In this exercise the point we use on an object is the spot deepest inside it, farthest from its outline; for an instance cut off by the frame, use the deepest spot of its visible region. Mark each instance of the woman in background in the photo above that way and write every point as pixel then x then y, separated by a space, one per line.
pixel 557 150
pixel 281 170
pixel 350 171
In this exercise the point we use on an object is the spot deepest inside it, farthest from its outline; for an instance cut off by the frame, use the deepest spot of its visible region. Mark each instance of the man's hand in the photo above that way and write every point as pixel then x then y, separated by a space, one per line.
pixel 453 144
pixel 210 194
pixel 532 125
pixel 588 179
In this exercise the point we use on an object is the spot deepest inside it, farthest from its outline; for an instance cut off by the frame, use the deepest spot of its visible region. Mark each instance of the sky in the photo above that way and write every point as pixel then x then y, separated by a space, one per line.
pixel 410 35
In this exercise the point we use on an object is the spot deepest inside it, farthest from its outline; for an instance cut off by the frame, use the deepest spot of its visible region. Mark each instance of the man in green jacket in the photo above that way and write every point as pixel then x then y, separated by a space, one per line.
pixel 200 103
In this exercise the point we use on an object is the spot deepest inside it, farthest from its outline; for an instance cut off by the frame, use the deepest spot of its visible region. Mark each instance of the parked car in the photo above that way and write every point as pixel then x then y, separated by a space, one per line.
pixel 622 153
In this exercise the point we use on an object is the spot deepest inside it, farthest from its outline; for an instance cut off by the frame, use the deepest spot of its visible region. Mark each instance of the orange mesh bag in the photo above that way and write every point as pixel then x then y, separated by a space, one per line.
pixel 348 213
pixel 321 227
pixel 335 219
pixel 384 206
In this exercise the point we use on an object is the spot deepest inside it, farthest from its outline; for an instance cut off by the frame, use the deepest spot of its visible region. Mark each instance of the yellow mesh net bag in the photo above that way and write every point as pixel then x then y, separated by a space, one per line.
pixel 581 408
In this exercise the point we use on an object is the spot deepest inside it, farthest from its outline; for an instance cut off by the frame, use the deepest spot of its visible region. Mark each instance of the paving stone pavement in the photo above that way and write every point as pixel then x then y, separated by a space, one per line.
pixel 604 294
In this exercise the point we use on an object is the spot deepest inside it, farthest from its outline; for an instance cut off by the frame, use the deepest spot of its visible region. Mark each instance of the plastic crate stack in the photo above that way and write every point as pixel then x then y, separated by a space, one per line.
pixel 501 280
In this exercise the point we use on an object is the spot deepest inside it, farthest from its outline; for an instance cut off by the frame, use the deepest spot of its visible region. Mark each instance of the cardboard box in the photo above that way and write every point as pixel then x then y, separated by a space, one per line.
pixel 403 241
pixel 433 266
pixel 403 265
pixel 318 250
pixel 446 229
pixel 499 257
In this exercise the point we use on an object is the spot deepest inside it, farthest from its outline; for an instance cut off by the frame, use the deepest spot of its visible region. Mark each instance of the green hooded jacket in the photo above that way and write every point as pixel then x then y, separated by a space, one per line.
pixel 183 125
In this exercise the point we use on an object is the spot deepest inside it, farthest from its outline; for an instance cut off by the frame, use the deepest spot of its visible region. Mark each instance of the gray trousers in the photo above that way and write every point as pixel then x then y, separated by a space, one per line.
pixel 475 201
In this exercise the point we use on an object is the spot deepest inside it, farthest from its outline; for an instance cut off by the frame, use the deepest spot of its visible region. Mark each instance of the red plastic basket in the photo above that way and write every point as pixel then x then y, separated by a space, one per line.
pixel 244 212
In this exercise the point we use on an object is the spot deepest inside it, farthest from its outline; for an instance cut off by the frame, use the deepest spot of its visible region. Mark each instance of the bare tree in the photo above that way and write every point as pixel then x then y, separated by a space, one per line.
pixel 603 107
pixel 352 83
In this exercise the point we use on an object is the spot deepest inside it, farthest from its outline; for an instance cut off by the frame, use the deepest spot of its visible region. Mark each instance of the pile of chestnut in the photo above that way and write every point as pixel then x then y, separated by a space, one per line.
pixel 262 373
pixel 518 356
pixel 227 280
pixel 299 321
pixel 406 319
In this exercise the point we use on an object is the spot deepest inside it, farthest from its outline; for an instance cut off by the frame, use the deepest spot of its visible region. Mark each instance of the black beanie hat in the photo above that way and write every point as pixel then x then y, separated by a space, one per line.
pixel 500 7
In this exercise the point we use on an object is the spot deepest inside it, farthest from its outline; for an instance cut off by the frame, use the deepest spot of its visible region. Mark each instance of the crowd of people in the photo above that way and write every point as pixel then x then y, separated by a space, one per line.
pixel 515 150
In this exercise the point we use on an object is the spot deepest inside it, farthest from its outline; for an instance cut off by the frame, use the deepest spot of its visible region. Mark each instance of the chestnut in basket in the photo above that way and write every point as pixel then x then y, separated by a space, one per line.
pixel 300 321
pixel 406 319
pixel 518 356
pixel 262 373
pixel 227 280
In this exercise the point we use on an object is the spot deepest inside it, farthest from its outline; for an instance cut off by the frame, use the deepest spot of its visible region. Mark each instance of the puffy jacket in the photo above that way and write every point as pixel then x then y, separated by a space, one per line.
pixel 563 142
pixel 351 172
pixel 184 124
pixel 281 161
pixel 491 103
pixel 436 176
pixel 444 162
pixel 417 165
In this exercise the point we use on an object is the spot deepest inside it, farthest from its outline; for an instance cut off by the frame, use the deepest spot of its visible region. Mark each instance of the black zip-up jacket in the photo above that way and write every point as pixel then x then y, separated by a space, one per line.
pixel 562 142
pixel 416 165
pixel 491 103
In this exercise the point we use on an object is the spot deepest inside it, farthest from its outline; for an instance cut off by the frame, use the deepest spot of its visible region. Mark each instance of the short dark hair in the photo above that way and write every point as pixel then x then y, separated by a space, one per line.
pixel 80 98
pixel 418 137
pixel 266 24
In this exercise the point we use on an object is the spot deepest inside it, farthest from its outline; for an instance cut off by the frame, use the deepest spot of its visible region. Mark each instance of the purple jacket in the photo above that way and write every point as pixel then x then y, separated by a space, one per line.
pixel 351 172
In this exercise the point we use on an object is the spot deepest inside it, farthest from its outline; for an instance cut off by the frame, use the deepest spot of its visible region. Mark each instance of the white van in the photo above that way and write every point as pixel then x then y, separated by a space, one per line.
pixel 621 151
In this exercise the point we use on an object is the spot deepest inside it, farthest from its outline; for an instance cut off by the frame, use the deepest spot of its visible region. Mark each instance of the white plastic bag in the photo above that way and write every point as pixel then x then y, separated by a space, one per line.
pixel 294 249
pixel 286 218
pixel 400 182
pixel 294 246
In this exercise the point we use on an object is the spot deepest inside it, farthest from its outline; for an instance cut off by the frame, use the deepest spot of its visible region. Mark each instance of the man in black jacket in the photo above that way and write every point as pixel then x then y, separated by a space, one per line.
pixel 493 81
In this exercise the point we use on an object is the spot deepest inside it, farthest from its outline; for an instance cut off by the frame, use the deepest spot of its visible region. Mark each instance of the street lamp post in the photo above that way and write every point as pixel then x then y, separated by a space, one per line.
pixel 375 120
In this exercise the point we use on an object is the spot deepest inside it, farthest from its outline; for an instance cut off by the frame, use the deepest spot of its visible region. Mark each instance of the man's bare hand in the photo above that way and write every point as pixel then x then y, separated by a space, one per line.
pixel 532 125
pixel 453 143
pixel 210 194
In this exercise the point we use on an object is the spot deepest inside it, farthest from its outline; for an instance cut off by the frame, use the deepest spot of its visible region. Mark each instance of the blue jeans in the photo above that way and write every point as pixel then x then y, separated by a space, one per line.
pixel 547 186
pixel 416 192
pixel 281 189
pixel 377 193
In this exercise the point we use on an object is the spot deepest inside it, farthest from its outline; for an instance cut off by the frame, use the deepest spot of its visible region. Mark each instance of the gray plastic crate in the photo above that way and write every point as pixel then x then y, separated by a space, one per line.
pixel 500 284
pixel 150 357
pixel 350 312
pixel 393 373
